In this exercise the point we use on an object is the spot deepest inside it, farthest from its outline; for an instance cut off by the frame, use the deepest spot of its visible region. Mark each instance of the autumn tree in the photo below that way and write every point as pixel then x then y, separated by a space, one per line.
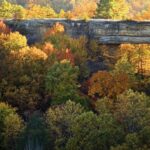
pixel 137 58
pixel 91 132
pixel 13 41
pixel 8 10
pixel 113 9
pixel 144 15
pixel 128 105
pixel 24 67
pixel 141 58
pixel 131 110
pixel 138 55
pixel 84 9
pixel 57 28
pixel 61 82
pixel 37 11
pixel 104 84
pixel 9 43
pixel 76 46
pixel 124 66
pixel 66 47
pixel 59 120
pixel 62 42
pixel 133 103
pixel 11 125
pixel 3 28
pixel 139 10
pixel 125 108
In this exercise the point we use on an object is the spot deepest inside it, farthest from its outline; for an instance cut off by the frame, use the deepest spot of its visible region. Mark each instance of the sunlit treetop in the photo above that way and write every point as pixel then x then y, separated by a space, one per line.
pixel 113 9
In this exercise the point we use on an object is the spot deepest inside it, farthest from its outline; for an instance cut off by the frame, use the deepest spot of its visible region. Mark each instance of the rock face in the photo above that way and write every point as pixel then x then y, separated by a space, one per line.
pixel 104 31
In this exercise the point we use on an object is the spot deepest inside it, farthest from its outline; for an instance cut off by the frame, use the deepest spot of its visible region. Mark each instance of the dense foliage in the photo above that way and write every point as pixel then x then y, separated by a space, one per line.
pixel 75 9
pixel 51 100
pixel 111 9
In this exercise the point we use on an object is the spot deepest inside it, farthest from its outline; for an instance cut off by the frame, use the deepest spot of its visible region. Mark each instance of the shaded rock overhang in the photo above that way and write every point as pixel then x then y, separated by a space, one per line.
pixel 101 30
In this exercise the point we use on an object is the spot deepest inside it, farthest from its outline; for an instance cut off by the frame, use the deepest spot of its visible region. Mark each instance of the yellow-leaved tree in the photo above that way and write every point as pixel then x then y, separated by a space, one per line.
pixel 84 9
pixel 8 10
pixel 37 11
pixel 138 55
pixel 113 9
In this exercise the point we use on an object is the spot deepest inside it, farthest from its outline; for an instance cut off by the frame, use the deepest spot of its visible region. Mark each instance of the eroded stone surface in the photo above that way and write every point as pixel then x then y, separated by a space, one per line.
pixel 104 31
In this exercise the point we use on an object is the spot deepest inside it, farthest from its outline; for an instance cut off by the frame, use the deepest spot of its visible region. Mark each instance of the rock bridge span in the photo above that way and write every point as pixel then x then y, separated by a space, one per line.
pixel 104 31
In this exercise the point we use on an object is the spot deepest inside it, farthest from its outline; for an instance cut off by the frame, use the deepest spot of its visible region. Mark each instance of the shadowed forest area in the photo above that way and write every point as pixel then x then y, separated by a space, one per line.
pixel 49 97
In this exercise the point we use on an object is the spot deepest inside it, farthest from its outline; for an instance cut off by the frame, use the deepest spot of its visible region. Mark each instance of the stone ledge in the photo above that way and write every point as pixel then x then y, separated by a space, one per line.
pixel 104 31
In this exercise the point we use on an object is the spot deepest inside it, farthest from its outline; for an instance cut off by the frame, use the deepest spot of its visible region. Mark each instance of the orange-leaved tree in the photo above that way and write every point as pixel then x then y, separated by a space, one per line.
pixel 3 28
pixel 106 84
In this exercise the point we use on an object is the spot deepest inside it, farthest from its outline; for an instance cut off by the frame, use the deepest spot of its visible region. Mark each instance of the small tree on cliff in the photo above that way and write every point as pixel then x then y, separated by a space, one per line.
pixel 113 9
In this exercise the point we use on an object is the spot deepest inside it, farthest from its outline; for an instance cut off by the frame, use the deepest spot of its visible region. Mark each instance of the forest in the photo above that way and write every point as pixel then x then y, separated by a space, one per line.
pixel 75 9
pixel 50 100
